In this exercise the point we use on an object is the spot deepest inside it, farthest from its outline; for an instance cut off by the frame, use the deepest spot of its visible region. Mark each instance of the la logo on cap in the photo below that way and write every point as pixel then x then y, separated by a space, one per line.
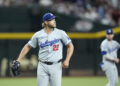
pixel 109 31
pixel 51 14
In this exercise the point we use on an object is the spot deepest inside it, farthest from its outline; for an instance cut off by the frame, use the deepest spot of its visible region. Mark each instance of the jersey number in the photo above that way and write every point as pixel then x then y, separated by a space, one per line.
pixel 55 47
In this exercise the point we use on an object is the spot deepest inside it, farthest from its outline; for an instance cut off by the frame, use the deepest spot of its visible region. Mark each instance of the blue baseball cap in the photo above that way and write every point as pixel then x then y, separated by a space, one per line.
pixel 48 16
pixel 109 31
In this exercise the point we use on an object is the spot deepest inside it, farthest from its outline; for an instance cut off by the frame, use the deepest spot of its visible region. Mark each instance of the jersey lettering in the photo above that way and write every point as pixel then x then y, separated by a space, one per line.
pixel 49 43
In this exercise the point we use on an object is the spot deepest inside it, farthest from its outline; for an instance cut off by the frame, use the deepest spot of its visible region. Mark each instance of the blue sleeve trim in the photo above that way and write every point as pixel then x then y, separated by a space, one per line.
pixel 104 52
pixel 100 64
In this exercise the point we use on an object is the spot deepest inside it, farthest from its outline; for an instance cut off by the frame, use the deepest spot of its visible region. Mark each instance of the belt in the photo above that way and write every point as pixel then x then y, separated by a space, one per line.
pixel 50 63
pixel 110 60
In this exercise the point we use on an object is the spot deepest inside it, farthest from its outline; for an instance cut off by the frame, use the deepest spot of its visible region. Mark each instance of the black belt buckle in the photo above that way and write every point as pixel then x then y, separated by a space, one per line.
pixel 48 63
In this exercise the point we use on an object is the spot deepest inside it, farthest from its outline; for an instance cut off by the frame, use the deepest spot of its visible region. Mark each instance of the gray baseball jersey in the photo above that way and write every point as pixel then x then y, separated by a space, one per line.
pixel 110 48
pixel 50 45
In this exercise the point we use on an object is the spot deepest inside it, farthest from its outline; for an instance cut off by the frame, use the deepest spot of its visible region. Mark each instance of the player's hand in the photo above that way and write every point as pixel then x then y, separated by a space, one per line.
pixel 65 64
pixel 116 60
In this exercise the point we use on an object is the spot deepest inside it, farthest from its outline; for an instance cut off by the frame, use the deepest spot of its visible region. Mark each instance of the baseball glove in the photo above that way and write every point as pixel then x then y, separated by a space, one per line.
pixel 15 68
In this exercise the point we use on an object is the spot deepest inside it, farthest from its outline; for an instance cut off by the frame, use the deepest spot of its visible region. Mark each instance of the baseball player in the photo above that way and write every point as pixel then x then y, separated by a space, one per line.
pixel 50 41
pixel 109 48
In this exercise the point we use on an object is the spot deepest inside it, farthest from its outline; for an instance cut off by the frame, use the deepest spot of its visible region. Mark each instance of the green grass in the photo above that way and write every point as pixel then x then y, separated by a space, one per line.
pixel 66 81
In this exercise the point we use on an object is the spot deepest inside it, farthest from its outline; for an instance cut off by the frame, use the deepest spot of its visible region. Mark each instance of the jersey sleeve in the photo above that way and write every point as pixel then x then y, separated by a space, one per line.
pixel 33 41
pixel 104 49
pixel 118 46
pixel 65 38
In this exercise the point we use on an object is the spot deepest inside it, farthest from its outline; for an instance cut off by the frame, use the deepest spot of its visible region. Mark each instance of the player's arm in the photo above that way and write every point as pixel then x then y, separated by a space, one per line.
pixel 109 58
pixel 16 63
pixel 105 54
pixel 70 49
pixel 31 43
pixel 24 51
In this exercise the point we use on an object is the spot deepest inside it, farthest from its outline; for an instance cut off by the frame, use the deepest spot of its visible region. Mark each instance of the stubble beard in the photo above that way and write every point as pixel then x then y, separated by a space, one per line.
pixel 51 26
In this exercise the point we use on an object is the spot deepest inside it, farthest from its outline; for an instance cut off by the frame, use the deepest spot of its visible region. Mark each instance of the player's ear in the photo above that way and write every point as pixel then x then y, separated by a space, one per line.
pixel 43 24
pixel 46 22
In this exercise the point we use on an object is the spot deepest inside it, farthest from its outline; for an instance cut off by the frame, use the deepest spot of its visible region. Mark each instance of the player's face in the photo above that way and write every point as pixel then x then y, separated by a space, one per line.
pixel 52 23
pixel 110 36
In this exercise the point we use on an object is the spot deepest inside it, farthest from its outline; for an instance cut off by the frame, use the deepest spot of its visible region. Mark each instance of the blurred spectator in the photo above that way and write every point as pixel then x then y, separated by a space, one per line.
pixel 101 12
pixel 88 4
pixel 62 8
pixel 116 16
pixel 82 26
pixel 6 3
pixel 107 20
pixel 80 3
pixel 114 3
pixel 46 2
pixel 1 2
pixel 91 14
pixel 65 8
pixel 15 2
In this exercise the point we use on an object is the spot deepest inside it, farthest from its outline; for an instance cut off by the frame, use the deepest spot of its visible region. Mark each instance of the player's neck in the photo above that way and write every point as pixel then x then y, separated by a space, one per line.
pixel 110 40
pixel 48 30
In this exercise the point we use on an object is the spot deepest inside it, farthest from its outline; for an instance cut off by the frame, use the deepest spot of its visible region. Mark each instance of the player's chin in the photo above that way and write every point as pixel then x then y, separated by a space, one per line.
pixel 54 27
